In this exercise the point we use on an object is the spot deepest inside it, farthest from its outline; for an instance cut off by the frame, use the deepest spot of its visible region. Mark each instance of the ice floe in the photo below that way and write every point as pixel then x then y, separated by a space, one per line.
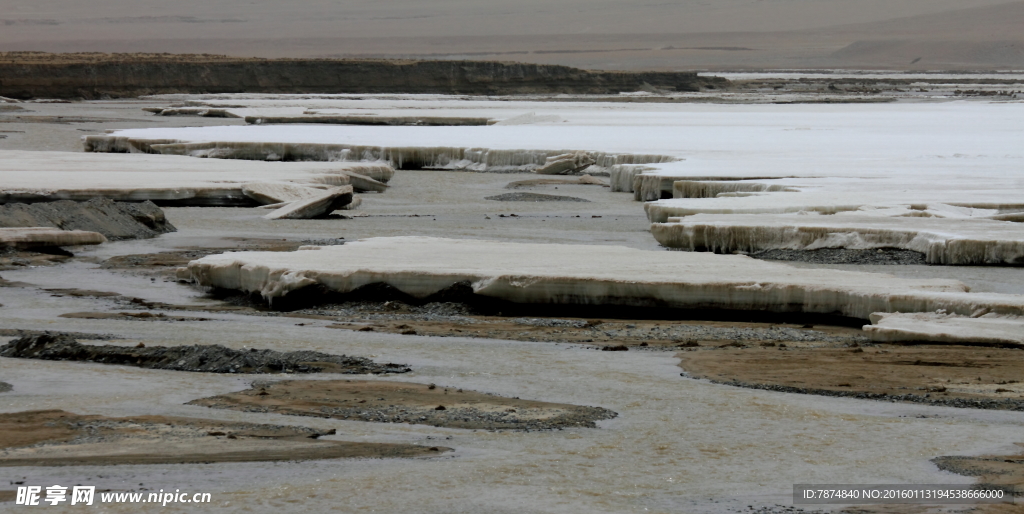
pixel 946 328
pixel 166 180
pixel 314 206
pixel 589 275
pixel 952 241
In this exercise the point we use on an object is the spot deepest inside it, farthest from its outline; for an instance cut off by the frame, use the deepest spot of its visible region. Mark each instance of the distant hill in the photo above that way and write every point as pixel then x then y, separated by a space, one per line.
pixel 592 34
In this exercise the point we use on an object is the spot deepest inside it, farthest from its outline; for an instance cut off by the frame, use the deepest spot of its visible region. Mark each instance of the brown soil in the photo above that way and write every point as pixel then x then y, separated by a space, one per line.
pixel 959 376
pixel 404 402
pixel 59 438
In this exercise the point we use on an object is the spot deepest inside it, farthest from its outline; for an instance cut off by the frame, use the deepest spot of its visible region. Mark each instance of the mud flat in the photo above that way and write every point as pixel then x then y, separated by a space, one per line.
pixel 404 402
pixel 165 180
pixel 452 319
pixel 60 438
pixel 948 375
pixel 30 74
pixel 200 358
pixel 1004 472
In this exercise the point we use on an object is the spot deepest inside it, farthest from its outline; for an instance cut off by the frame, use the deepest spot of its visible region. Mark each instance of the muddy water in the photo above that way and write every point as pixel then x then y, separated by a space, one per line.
pixel 678 445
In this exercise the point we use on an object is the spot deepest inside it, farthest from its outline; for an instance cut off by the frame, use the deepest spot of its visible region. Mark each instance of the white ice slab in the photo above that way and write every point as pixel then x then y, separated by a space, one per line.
pixel 314 206
pixel 924 145
pixel 955 241
pixel 48 236
pixel 589 275
pixel 42 176
pixel 268 193
pixel 946 328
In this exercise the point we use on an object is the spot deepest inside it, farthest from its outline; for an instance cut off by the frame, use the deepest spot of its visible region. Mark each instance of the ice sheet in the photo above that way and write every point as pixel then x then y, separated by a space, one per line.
pixel 956 241
pixel 946 328
pixel 589 275
pixel 42 176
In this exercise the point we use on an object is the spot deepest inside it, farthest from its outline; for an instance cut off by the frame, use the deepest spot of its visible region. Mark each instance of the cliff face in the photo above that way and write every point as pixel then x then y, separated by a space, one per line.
pixel 121 76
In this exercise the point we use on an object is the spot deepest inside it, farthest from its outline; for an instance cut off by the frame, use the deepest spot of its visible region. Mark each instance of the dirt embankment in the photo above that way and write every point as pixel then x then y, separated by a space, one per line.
pixel 28 75
pixel 115 220
pixel 404 402
pixel 59 438
pixel 202 358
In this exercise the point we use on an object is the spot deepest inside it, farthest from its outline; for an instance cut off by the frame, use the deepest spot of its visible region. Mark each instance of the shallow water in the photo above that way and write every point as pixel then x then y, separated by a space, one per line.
pixel 678 444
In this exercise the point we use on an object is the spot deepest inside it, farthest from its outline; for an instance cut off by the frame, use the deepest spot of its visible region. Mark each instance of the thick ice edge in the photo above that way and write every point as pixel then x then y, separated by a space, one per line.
pixel 589 275
pixel 963 241
pixel 168 180
pixel 946 328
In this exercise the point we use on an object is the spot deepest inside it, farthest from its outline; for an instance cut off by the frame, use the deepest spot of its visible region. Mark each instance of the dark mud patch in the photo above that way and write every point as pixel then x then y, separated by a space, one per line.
pixel 945 375
pixel 115 220
pixel 181 257
pixel 892 256
pixel 534 197
pixel 1005 472
pixel 198 358
pixel 447 320
pixel 18 258
pixel 4 387
pixel 130 316
pixel 60 438
pixel 15 332
pixel 80 293
pixel 403 402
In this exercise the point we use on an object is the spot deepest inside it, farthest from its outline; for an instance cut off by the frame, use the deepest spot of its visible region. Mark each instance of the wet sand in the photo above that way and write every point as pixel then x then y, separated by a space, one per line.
pixel 961 376
pixel 404 402
pixel 60 438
